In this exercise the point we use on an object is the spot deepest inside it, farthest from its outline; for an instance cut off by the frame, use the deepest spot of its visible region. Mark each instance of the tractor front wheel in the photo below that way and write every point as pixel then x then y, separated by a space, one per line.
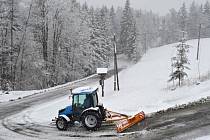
pixel 91 120
pixel 61 123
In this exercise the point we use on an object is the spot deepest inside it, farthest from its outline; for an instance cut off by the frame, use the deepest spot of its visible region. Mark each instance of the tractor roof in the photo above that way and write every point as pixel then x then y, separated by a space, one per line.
pixel 84 90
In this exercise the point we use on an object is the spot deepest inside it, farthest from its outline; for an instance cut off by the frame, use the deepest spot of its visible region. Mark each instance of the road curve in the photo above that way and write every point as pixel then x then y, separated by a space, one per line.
pixel 187 122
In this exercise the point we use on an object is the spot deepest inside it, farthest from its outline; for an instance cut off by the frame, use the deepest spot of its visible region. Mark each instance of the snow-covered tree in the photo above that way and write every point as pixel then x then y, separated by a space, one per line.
pixel 183 17
pixel 206 19
pixel 100 38
pixel 180 62
pixel 193 21
pixel 128 31
pixel 10 32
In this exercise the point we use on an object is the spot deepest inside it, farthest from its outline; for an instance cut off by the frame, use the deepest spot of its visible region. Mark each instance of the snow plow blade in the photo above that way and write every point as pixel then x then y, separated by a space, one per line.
pixel 127 123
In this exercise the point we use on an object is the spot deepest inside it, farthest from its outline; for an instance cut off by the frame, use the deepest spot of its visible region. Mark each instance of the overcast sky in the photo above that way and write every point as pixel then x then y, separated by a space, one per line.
pixel 158 6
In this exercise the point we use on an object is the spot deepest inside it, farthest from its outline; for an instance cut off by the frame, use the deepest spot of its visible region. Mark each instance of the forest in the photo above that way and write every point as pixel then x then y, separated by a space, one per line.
pixel 44 43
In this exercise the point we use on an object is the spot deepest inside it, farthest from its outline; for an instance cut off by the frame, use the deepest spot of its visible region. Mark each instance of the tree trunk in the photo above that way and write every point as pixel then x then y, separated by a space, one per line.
pixel 12 68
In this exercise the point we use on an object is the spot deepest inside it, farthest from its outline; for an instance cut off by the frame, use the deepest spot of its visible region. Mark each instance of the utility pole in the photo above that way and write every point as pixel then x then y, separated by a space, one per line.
pixel 199 37
pixel 116 77
pixel 198 51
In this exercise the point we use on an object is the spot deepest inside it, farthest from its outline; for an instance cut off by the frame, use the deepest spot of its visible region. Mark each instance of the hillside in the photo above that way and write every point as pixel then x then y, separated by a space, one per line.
pixel 144 86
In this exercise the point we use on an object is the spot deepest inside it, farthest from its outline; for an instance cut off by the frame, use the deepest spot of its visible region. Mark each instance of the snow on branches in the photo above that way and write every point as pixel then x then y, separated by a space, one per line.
pixel 180 62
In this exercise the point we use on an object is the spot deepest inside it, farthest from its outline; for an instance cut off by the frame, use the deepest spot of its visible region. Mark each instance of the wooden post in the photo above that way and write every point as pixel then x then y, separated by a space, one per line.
pixel 199 37
pixel 116 77
pixel 198 51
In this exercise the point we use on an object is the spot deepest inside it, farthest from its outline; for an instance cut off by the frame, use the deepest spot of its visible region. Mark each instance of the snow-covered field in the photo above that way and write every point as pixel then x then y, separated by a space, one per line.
pixel 143 86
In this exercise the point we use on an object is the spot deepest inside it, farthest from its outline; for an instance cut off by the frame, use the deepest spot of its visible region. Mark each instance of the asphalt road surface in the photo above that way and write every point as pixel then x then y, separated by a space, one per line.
pixel 189 122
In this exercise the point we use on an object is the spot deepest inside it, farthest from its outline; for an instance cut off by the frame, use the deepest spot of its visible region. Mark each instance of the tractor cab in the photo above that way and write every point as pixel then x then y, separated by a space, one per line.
pixel 82 99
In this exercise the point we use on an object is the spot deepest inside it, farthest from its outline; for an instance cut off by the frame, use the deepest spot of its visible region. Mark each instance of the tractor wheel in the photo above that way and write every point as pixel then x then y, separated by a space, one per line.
pixel 91 120
pixel 61 123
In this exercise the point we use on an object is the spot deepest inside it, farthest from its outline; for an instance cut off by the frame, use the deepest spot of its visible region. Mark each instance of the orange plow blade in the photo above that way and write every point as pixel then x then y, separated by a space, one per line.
pixel 126 123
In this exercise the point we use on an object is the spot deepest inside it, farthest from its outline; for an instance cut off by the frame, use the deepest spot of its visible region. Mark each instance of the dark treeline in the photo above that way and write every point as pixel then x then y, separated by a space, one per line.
pixel 48 42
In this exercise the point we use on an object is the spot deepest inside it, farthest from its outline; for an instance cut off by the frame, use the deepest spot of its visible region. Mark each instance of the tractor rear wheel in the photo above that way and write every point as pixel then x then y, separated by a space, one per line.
pixel 61 123
pixel 91 120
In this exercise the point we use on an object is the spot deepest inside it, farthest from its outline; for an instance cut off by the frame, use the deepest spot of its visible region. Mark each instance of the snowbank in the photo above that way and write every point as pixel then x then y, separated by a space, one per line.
pixel 14 95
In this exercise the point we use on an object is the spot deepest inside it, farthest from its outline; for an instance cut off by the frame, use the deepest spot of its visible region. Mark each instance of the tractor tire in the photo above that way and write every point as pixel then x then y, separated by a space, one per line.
pixel 61 124
pixel 91 120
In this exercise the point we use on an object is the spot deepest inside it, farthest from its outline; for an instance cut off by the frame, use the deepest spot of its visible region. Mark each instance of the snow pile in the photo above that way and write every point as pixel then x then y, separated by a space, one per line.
pixel 14 95
pixel 144 86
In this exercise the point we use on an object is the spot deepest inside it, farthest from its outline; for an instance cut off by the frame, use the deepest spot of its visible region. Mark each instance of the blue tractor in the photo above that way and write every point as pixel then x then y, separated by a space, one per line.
pixel 85 109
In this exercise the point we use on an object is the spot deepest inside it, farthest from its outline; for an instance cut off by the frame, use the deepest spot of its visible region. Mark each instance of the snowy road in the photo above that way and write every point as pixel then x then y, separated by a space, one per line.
pixel 15 121
pixel 182 124
pixel 188 123
pixel 8 111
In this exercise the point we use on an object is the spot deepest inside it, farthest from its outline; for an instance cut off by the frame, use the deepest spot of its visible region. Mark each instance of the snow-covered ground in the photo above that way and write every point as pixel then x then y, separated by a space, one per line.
pixel 14 95
pixel 143 86
pixel 203 138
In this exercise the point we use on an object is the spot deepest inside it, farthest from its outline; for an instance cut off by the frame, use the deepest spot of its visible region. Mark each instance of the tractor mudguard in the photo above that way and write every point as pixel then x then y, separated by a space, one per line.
pixel 91 109
pixel 65 117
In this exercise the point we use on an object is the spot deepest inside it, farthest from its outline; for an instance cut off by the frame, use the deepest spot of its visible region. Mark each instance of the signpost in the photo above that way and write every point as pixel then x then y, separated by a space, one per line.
pixel 102 73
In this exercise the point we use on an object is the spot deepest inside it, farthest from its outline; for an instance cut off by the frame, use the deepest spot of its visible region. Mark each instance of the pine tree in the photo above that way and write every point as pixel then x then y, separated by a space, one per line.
pixel 128 32
pixel 100 38
pixel 113 21
pixel 183 18
pixel 180 62
pixel 194 21
pixel 206 14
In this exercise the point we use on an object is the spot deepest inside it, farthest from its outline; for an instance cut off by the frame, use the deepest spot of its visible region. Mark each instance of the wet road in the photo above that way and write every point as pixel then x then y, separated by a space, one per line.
pixel 184 123
pixel 188 122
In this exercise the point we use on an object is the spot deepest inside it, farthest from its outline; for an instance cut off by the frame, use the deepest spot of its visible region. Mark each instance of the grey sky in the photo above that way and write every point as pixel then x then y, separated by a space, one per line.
pixel 159 6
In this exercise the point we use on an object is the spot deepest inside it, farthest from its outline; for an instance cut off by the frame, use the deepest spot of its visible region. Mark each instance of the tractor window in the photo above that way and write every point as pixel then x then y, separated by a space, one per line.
pixel 79 100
